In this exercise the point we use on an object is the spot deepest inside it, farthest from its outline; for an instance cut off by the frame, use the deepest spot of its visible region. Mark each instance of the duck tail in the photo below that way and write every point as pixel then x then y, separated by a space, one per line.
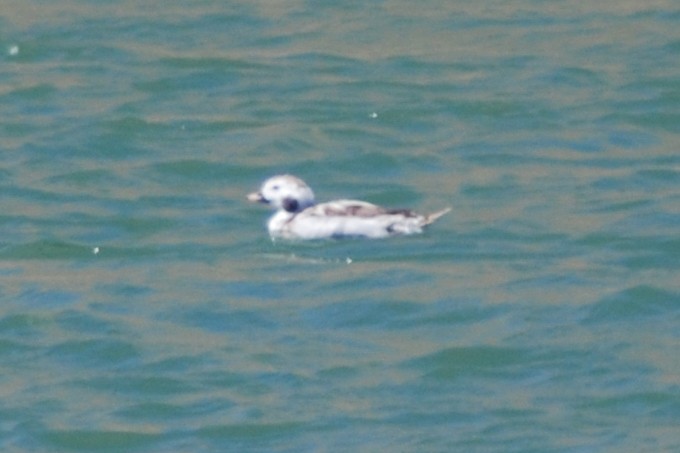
pixel 431 218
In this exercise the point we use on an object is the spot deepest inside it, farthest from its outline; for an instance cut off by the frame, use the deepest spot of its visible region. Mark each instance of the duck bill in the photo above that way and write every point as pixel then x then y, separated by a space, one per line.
pixel 256 197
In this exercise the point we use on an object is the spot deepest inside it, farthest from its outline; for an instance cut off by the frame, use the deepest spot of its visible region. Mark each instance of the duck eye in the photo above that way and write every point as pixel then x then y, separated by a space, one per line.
pixel 275 188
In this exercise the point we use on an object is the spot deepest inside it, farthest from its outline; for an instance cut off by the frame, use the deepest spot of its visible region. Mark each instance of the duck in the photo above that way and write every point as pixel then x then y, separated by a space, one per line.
pixel 298 216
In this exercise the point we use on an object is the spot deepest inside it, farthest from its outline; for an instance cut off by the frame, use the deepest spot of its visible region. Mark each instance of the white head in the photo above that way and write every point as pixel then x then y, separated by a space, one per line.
pixel 284 192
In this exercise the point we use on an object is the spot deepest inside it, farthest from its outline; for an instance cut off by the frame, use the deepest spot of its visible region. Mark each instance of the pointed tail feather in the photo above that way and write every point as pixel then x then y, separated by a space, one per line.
pixel 431 218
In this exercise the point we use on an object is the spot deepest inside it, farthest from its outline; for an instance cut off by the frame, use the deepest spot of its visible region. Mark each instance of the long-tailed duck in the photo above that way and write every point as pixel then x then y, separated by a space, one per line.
pixel 299 217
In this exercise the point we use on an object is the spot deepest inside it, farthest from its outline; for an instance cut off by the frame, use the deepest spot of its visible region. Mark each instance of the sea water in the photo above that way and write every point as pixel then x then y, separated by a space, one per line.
pixel 144 308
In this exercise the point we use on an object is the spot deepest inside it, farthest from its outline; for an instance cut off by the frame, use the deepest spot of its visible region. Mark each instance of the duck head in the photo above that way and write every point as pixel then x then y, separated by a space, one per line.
pixel 285 192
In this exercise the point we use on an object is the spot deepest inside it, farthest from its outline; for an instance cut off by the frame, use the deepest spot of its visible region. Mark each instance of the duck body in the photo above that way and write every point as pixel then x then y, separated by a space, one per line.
pixel 297 216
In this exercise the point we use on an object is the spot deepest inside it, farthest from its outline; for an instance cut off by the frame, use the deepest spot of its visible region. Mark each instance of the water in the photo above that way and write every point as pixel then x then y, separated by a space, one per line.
pixel 143 307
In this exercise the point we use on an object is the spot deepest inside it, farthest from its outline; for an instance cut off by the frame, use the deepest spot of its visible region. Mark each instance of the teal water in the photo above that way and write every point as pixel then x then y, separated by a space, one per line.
pixel 143 307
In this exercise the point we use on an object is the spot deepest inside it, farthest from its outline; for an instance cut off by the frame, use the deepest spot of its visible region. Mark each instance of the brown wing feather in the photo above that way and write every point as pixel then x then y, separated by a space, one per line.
pixel 358 209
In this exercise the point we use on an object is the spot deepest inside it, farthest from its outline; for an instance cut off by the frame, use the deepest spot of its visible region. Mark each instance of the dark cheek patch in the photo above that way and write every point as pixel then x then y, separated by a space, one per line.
pixel 290 204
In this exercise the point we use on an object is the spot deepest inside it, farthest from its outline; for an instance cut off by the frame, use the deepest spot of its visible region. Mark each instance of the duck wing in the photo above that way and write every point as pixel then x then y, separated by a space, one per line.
pixel 346 208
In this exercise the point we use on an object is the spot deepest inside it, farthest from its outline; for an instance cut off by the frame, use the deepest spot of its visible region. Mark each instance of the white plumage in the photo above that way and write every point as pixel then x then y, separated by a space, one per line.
pixel 299 217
